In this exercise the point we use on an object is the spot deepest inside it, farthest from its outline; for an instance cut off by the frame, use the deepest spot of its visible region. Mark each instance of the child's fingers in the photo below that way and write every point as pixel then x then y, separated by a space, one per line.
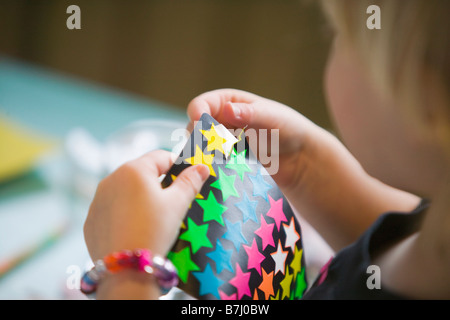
pixel 237 109
pixel 156 162
pixel 188 184
pixel 212 102
pixel 261 114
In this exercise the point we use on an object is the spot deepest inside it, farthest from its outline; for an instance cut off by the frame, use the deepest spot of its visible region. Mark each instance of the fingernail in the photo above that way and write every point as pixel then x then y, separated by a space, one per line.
pixel 236 110
pixel 203 171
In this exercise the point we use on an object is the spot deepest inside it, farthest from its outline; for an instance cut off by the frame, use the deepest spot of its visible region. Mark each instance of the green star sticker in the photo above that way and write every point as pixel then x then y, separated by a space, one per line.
pixel 300 284
pixel 237 163
pixel 226 185
pixel 212 210
pixel 183 262
pixel 196 235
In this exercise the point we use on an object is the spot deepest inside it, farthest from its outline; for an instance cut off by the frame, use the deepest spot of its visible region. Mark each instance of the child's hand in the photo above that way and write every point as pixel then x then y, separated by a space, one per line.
pixel 237 109
pixel 131 210
pixel 318 175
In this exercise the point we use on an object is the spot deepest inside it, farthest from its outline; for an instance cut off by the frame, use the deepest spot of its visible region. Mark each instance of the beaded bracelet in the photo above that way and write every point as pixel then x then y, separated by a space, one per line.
pixel 139 259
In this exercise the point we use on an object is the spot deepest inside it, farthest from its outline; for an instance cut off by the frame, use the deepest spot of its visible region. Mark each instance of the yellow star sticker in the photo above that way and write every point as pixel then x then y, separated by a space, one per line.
pixel 201 158
pixel 296 263
pixel 220 138
pixel 276 297
pixel 286 284
pixel 215 140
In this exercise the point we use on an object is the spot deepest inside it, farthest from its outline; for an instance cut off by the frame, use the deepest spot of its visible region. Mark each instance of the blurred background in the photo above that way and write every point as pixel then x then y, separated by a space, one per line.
pixel 74 104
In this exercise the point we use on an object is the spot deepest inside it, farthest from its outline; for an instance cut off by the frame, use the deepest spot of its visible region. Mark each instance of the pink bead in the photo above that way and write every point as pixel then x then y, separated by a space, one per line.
pixel 144 258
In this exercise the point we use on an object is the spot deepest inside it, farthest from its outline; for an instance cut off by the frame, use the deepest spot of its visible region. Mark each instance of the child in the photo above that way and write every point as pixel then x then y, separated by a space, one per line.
pixel 387 91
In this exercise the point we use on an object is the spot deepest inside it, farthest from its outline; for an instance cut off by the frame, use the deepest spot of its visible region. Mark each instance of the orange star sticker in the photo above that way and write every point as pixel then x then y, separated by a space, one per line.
pixel 255 295
pixel 266 285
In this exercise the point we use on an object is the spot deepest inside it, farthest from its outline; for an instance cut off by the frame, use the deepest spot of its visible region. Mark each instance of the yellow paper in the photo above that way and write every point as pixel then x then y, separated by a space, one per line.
pixel 19 149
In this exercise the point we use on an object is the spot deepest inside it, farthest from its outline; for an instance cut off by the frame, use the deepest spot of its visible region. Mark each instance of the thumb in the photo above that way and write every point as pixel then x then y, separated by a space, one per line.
pixel 189 183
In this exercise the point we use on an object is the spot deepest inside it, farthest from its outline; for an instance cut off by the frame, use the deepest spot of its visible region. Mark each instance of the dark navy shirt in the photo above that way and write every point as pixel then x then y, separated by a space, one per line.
pixel 346 275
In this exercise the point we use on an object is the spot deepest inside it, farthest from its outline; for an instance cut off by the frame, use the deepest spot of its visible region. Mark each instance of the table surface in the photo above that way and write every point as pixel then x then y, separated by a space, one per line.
pixel 52 104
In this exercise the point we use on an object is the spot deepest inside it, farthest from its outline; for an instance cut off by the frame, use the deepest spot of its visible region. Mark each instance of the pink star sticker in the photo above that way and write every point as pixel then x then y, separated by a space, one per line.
pixel 240 282
pixel 224 296
pixel 276 211
pixel 265 232
pixel 254 257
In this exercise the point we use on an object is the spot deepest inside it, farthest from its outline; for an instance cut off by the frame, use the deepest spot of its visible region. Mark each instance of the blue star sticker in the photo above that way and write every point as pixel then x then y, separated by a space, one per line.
pixel 248 208
pixel 234 234
pixel 209 283
pixel 221 257
pixel 260 186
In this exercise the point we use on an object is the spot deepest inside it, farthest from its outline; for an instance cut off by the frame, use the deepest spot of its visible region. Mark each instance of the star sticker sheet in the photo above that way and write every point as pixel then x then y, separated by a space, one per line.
pixel 240 238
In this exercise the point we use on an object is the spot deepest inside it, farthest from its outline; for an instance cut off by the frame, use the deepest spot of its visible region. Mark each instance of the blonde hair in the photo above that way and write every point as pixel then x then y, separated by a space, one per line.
pixel 412 44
